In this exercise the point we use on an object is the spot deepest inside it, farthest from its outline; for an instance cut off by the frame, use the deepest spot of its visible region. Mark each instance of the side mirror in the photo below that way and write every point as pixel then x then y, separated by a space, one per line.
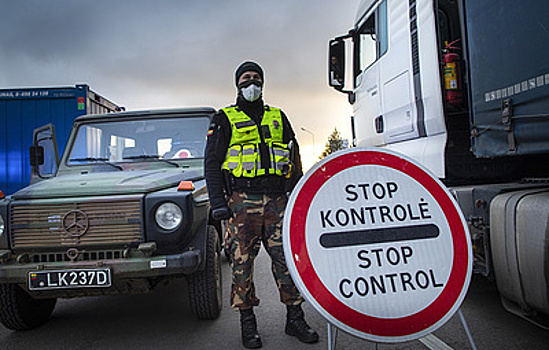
pixel 336 64
pixel 44 156
pixel 36 155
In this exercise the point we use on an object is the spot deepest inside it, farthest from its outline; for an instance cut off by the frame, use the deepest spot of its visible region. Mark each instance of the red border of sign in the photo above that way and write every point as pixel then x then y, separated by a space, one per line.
pixel 384 327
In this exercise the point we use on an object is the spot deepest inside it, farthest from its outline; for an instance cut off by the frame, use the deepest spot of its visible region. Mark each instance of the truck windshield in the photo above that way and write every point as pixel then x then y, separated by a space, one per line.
pixel 167 140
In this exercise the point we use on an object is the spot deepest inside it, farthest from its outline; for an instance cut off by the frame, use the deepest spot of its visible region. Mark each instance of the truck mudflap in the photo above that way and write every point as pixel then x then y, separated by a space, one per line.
pixel 519 241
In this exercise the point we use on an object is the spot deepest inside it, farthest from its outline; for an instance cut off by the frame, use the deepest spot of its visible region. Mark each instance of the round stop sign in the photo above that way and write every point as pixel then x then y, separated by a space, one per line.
pixel 377 245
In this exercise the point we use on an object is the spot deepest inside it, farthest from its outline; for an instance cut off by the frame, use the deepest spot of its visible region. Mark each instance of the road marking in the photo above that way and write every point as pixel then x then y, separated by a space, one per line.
pixel 434 343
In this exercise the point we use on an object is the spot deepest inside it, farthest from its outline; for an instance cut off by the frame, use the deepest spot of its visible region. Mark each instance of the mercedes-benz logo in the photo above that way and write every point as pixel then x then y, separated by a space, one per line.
pixel 75 223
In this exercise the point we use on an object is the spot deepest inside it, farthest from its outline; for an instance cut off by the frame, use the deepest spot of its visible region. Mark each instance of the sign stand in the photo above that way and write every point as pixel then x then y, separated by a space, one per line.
pixel 332 336
pixel 466 328
pixel 333 330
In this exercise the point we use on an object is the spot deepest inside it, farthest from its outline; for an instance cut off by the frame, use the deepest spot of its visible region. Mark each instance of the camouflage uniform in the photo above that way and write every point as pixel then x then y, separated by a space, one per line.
pixel 258 218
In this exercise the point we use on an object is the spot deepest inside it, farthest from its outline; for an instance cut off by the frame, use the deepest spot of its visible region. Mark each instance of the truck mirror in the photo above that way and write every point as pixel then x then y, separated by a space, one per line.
pixel 336 64
pixel 36 155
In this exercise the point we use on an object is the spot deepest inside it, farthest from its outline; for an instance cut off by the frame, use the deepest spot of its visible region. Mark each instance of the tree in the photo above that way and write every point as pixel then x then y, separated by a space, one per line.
pixel 335 143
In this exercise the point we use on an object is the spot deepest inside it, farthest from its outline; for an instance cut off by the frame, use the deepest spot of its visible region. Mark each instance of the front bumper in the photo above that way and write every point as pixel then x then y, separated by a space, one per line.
pixel 125 272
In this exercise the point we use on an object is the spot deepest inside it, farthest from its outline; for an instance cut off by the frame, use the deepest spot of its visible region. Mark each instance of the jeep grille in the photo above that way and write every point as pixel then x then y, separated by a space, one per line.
pixel 42 225
pixel 81 256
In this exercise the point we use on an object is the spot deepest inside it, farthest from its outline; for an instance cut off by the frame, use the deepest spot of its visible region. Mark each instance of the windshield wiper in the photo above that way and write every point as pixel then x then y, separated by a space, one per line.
pixel 100 160
pixel 155 157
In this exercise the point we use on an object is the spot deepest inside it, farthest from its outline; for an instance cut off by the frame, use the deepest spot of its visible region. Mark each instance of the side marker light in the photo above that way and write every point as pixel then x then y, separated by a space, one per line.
pixel 185 186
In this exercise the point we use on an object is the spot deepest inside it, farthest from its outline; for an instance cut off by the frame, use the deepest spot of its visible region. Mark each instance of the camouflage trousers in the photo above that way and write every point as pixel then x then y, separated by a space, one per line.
pixel 257 219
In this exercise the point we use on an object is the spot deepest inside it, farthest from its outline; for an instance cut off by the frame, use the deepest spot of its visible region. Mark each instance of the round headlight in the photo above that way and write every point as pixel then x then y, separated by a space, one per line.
pixel 1 225
pixel 168 216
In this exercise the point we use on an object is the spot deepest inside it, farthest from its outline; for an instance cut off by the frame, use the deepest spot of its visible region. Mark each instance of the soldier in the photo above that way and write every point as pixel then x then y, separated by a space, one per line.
pixel 252 161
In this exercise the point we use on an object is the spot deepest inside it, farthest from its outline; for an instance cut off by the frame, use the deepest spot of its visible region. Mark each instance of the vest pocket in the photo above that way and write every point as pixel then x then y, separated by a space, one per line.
pixel 245 132
pixel 281 157
pixel 249 160
pixel 233 162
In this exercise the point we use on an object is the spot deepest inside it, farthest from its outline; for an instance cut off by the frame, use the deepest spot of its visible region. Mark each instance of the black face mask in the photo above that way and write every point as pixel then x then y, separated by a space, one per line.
pixel 247 83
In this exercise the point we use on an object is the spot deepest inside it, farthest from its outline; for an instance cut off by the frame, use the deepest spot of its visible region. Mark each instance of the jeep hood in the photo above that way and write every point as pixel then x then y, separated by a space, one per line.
pixel 107 183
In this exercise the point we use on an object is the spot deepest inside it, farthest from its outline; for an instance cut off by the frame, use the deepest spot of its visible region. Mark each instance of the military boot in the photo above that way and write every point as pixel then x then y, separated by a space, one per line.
pixel 297 327
pixel 248 325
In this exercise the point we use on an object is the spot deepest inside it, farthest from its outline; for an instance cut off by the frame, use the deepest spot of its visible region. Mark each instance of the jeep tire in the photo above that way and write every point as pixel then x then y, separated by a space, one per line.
pixel 205 291
pixel 19 311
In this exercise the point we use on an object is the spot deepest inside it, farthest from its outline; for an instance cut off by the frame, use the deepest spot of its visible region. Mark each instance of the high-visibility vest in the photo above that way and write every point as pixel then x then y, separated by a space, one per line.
pixel 243 158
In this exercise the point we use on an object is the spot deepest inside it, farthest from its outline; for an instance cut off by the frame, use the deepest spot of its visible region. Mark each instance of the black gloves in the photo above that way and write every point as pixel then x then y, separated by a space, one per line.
pixel 222 213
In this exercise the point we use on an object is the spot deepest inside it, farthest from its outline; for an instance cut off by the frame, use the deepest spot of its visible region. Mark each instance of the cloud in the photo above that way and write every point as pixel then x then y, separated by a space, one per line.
pixel 168 53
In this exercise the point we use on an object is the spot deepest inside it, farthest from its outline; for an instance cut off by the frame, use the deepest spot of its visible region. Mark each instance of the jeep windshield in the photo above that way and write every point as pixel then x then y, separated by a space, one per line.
pixel 120 144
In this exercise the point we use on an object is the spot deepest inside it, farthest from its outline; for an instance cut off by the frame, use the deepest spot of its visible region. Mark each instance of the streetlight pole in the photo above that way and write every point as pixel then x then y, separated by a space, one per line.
pixel 313 135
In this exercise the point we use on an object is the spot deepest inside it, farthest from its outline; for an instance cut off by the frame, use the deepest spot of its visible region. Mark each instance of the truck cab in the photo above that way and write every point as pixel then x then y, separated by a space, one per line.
pixel 430 79
pixel 462 86
pixel 125 209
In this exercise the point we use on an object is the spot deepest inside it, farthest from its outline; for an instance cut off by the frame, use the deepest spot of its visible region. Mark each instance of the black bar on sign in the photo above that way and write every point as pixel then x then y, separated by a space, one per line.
pixel 380 235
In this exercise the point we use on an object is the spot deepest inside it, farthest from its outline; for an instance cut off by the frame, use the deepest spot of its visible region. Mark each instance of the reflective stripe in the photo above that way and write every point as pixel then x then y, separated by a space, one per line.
pixel 232 165
pixel 272 158
pixel 233 152
pixel 248 165
pixel 281 153
pixel 248 151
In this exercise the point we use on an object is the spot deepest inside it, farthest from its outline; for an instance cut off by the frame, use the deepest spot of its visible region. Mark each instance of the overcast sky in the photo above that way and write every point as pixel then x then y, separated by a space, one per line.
pixel 157 54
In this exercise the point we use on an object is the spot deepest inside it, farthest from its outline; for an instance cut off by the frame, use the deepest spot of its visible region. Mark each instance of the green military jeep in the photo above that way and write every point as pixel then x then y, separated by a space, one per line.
pixel 124 210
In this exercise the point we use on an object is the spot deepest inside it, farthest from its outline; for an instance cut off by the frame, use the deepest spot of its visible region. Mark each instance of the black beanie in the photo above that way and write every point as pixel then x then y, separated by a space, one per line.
pixel 246 67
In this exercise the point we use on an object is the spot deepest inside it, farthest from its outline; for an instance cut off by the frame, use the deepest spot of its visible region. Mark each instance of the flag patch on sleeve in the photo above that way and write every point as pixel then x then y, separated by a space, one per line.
pixel 211 129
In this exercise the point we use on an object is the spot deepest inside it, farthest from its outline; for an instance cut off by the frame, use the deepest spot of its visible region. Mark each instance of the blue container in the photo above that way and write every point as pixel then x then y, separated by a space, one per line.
pixel 23 110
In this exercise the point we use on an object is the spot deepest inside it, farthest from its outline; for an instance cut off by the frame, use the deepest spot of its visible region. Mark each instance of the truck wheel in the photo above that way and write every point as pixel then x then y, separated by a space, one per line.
pixel 19 311
pixel 205 290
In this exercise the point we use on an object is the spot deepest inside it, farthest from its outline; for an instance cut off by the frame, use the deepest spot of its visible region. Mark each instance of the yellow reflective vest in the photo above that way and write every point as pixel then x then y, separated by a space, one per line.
pixel 243 157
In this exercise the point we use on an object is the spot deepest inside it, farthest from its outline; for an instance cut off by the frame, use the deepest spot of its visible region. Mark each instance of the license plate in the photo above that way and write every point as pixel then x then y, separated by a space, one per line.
pixel 63 279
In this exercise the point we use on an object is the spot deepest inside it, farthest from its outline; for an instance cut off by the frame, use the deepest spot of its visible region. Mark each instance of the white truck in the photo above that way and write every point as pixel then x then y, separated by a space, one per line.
pixel 462 86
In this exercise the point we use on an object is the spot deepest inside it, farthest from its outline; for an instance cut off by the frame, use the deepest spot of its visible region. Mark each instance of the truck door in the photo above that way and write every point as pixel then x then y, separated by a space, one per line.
pixel 369 123
pixel 395 72
pixel 386 76
pixel 44 155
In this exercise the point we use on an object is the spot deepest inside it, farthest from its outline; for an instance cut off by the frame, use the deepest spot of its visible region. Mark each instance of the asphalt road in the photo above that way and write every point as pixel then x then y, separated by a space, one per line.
pixel 163 320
